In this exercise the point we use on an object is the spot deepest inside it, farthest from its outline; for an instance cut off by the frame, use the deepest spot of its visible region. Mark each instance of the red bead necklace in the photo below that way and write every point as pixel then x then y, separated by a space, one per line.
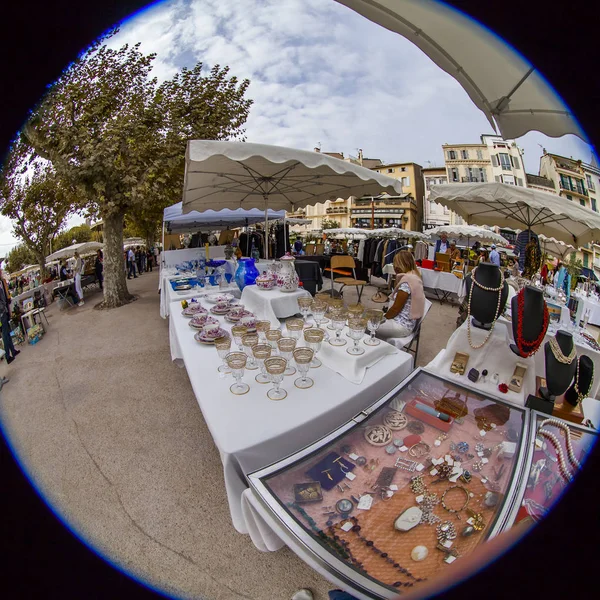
pixel 527 347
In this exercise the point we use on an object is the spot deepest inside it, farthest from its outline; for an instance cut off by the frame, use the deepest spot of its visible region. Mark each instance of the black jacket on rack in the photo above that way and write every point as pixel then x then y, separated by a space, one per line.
pixel 248 239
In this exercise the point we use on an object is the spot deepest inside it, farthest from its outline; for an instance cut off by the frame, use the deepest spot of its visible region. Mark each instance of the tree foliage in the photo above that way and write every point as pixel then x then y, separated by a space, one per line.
pixel 119 137
pixel 329 224
pixel 79 233
pixel 20 256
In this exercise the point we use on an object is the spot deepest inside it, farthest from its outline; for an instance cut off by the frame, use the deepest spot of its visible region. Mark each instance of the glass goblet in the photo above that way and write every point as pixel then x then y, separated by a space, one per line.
pixel 314 337
pixel 335 306
pixel 261 328
pixel 357 331
pixel 273 336
pixel 374 320
pixel 339 322
pixel 248 342
pixel 355 311
pixel 223 346
pixel 286 346
pixel 261 352
pixel 305 304
pixel 303 357
pixel 294 327
pixel 236 361
pixel 238 332
pixel 319 309
pixel 276 367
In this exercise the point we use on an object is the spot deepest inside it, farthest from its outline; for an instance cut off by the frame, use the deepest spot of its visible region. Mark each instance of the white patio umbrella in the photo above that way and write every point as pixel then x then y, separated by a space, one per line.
pixel 555 247
pixel 343 232
pixel 398 232
pixel 500 82
pixel 82 248
pixel 470 232
pixel 243 175
pixel 518 207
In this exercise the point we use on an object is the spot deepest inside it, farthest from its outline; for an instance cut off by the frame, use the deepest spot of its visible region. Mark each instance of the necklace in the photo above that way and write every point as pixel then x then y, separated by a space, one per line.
pixel 558 353
pixel 582 395
pixel 568 441
pixel 527 347
pixel 499 289
pixel 456 510
pixel 562 465
pixel 357 530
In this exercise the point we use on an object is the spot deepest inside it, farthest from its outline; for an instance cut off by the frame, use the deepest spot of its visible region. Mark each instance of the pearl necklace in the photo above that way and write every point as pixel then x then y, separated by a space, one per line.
pixel 581 396
pixel 558 353
pixel 499 289
pixel 556 443
pixel 562 466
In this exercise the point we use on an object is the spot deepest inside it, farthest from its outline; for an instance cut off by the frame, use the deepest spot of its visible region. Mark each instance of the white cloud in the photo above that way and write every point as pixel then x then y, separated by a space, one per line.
pixel 322 73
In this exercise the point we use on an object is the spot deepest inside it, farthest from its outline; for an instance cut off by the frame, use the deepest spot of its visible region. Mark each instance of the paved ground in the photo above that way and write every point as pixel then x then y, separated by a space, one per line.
pixel 116 442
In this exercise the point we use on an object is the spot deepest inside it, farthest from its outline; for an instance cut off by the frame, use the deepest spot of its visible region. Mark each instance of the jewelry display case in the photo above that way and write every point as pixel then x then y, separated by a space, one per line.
pixel 410 485
pixel 556 452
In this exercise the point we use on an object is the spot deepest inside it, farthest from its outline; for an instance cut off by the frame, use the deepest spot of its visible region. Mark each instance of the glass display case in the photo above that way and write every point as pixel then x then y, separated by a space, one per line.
pixel 557 452
pixel 409 486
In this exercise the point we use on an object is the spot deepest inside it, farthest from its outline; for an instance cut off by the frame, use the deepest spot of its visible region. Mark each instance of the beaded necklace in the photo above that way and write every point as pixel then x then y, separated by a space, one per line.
pixel 559 355
pixel 580 395
pixel 562 464
pixel 499 289
pixel 527 347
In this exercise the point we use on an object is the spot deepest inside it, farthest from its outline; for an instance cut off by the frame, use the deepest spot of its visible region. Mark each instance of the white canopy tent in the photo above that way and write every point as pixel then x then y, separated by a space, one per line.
pixel 469 232
pixel 501 83
pixel 555 247
pixel 499 204
pixel 82 248
pixel 397 232
pixel 243 175
pixel 347 232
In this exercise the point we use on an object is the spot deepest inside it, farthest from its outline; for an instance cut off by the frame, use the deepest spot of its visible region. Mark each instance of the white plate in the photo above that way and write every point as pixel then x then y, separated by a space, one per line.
pixel 220 297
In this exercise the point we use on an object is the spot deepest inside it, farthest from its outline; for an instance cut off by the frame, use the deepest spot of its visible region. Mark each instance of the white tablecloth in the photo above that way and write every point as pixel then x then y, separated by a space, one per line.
pixel 593 306
pixel 271 305
pixel 252 431
pixel 171 258
pixel 439 280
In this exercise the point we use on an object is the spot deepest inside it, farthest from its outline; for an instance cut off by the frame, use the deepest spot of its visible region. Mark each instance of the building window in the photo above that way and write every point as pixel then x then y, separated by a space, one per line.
pixel 402 169
pixel 516 162
pixel 508 179
pixel 519 181
pixel 494 160
pixel 569 197
pixel 406 181
pixel 582 202
pixel 594 207
pixel 585 260
pixel 479 155
pixel 505 161
pixel 451 155
pixel 482 176
pixel 454 174
pixel 464 154
pixel 590 183
pixel 390 170
pixel 498 179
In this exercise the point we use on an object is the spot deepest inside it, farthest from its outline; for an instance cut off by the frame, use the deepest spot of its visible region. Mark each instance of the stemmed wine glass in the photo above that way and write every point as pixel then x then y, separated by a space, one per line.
pixel 261 328
pixel 238 332
pixel 314 337
pixel 357 331
pixel 286 346
pixel 276 367
pixel 339 322
pixel 374 320
pixel 261 352
pixel 223 346
pixel 335 305
pixel 355 311
pixel 294 327
pixel 237 363
pixel 319 309
pixel 305 304
pixel 303 358
pixel 248 342
pixel 273 336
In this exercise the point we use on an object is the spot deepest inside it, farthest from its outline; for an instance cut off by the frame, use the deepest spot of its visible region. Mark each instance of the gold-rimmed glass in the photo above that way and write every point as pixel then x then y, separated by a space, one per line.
pixel 305 304
pixel 335 305
pixel 294 327
pixel 276 367
pixel 236 361
pixel 314 338
pixel 374 318
pixel 223 346
pixel 261 328
pixel 339 322
pixel 238 332
pixel 319 309
pixel 355 311
pixel 248 342
pixel 303 357
pixel 286 346
pixel 261 352
pixel 356 331
pixel 273 336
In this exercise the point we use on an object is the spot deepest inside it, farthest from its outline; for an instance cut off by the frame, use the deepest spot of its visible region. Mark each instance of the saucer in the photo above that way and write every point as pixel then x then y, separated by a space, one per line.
pixel 192 310
pixel 219 298
pixel 200 336
pixel 180 288
pixel 237 318
pixel 202 321
pixel 214 311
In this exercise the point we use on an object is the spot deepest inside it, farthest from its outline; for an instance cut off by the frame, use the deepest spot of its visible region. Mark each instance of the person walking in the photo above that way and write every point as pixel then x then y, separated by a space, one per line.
pixel 494 256
pixel 138 259
pixel 78 270
pixel 149 260
pixel 131 263
pixel 9 348
pixel 156 252
pixel 99 268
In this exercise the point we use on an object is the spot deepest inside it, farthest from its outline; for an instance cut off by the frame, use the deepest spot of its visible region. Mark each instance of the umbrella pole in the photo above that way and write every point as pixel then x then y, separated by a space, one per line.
pixel 266 226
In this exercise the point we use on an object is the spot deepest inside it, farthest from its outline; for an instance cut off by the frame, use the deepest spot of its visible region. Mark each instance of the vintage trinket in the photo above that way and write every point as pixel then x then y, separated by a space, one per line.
pixel 459 363
pixel 419 553
pixel 516 381
pixel 415 427
pixel 398 443
pixel 473 375
pixel 344 506
pixel 405 464
pixel 361 461
pixel 491 499
pixel 409 519
pixel 378 435
pixel 395 420
pixel 411 440
pixel 308 492
pixel 386 477
pixel 391 449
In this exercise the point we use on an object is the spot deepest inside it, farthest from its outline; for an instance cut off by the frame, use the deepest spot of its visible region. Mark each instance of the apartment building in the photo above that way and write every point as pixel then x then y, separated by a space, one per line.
pixel 434 214
pixel 404 210
pixel 576 181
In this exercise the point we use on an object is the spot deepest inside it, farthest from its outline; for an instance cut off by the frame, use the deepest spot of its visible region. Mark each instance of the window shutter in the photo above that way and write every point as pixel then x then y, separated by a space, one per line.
pixel 516 163
pixel 498 179
pixel 512 163
pixel 495 162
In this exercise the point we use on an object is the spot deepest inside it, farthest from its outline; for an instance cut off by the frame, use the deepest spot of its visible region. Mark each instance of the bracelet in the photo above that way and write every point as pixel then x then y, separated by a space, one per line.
pixel 452 510
pixel 419 449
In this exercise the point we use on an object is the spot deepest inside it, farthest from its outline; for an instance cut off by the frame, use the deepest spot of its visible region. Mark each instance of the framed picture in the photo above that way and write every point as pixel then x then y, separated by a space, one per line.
pixel 554 311
pixel 28 305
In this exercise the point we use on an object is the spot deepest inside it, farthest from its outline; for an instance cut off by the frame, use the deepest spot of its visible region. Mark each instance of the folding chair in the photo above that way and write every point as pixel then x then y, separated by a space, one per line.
pixel 410 343
pixel 345 265
pixel 319 249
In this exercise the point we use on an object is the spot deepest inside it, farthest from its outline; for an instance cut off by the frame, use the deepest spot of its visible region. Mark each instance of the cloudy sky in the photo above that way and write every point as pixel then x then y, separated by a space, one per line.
pixel 322 75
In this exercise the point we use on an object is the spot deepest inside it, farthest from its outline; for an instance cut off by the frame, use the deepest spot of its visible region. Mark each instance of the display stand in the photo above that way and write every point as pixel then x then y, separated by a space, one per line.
pixel 564 410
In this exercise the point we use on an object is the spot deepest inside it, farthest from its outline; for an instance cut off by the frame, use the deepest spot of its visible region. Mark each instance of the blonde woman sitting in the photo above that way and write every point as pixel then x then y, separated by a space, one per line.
pixel 408 299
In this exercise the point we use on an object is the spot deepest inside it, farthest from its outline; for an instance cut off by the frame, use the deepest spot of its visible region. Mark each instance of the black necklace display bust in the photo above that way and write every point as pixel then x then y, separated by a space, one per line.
pixel 484 302
pixel 559 374
pixel 532 319
pixel 584 381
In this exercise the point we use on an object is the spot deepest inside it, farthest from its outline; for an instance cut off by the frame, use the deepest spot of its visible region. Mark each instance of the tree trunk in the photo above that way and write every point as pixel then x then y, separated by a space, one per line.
pixel 115 287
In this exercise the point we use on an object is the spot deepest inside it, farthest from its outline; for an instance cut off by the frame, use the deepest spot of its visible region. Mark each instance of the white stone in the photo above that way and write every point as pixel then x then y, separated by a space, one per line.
pixel 419 553
pixel 408 519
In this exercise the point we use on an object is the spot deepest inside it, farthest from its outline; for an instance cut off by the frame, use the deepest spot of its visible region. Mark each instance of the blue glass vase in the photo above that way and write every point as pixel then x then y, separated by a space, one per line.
pixel 246 273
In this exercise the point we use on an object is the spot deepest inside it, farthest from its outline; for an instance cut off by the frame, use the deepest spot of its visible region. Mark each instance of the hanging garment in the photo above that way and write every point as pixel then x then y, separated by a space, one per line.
pixel 421 250
pixel 361 250
pixel 522 241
